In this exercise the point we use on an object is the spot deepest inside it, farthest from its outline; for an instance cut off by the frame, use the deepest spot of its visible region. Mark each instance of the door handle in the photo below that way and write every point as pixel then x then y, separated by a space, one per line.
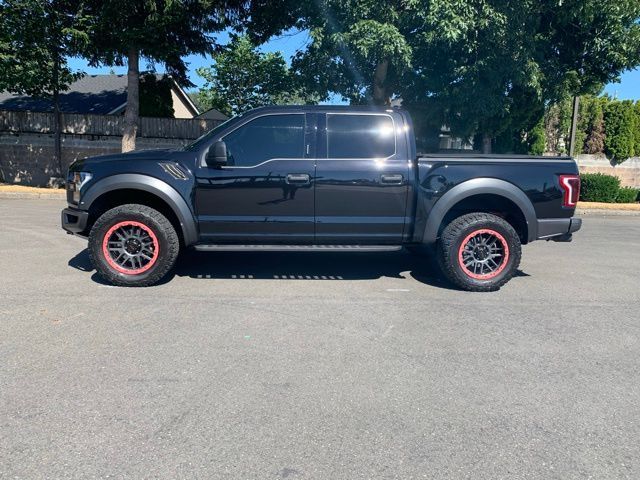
pixel 298 178
pixel 392 179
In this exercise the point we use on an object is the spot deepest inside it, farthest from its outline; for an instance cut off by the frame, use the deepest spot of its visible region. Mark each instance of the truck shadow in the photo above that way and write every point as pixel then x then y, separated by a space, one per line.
pixel 309 266
pixel 297 266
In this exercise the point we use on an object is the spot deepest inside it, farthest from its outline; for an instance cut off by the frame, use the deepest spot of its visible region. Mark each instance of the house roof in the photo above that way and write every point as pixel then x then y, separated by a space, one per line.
pixel 213 114
pixel 96 94
pixel 91 94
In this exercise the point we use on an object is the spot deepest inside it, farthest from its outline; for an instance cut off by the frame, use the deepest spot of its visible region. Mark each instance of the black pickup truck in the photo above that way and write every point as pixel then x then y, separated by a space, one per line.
pixel 318 178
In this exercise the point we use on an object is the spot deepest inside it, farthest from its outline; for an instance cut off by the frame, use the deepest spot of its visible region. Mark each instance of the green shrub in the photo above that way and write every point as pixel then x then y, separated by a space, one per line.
pixel 627 195
pixel 598 187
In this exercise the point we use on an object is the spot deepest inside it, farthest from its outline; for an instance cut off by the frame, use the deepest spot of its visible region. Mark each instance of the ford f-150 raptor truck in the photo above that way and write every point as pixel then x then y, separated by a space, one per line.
pixel 318 178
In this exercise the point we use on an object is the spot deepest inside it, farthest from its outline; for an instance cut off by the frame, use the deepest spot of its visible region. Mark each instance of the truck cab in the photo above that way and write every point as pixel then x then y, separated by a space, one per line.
pixel 300 177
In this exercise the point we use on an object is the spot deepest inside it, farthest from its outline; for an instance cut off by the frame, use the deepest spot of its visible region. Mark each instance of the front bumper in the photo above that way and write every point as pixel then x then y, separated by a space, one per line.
pixel 558 228
pixel 74 221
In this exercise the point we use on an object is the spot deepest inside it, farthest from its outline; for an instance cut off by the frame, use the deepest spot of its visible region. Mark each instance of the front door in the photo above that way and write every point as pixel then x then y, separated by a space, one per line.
pixel 361 179
pixel 265 192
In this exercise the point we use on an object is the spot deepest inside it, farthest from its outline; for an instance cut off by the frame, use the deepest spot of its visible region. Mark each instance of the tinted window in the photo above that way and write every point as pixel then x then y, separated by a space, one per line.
pixel 265 138
pixel 360 136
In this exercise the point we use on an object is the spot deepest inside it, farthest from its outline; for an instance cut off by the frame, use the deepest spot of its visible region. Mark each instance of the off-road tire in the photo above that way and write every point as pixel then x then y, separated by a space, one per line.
pixel 165 239
pixel 462 229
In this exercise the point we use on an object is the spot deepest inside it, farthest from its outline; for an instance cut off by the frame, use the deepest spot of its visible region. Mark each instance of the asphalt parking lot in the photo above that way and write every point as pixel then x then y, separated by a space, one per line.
pixel 318 366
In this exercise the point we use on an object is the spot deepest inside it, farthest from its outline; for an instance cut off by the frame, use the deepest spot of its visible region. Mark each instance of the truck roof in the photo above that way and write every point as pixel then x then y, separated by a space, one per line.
pixel 325 108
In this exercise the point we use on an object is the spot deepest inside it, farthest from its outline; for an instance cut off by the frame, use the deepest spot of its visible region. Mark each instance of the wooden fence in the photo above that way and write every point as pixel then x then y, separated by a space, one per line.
pixel 107 125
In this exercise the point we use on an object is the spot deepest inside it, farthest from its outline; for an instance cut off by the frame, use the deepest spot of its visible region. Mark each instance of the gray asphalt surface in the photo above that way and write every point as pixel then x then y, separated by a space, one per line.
pixel 318 366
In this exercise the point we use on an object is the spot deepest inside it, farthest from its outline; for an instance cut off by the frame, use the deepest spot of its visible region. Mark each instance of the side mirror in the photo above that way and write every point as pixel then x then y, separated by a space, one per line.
pixel 217 155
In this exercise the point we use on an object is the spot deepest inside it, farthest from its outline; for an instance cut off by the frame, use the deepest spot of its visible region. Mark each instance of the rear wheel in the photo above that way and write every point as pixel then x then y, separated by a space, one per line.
pixel 479 252
pixel 133 245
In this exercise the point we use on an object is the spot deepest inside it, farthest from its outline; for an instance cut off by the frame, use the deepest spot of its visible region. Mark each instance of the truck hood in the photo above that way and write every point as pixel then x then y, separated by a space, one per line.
pixel 154 155
pixel 137 155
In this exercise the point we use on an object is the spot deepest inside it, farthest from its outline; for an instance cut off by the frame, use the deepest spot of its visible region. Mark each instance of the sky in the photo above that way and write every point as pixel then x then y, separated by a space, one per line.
pixel 292 41
pixel 288 43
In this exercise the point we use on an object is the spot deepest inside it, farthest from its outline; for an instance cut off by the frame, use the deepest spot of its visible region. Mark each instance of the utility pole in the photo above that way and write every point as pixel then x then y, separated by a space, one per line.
pixel 574 125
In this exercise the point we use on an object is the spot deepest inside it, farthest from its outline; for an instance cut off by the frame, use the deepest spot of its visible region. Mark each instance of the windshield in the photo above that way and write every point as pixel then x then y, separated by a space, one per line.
pixel 210 134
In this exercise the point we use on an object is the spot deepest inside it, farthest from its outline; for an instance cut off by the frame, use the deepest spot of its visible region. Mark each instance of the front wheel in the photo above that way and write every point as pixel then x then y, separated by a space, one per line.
pixel 479 252
pixel 133 245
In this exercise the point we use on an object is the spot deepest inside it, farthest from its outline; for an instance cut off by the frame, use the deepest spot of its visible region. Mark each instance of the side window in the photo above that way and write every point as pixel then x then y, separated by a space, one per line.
pixel 360 136
pixel 265 138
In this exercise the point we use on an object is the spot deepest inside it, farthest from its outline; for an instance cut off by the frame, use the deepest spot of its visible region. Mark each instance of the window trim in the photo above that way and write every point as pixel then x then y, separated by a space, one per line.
pixel 359 114
pixel 271 114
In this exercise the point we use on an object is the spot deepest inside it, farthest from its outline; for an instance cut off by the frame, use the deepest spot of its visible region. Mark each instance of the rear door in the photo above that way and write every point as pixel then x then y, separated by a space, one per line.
pixel 361 179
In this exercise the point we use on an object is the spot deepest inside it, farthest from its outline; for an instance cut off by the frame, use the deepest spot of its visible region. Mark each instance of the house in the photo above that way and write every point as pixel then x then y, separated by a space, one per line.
pixel 100 95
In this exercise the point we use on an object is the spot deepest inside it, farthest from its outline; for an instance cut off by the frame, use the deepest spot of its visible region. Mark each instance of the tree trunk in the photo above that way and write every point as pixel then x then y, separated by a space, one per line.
pixel 574 126
pixel 380 96
pixel 486 143
pixel 57 133
pixel 132 112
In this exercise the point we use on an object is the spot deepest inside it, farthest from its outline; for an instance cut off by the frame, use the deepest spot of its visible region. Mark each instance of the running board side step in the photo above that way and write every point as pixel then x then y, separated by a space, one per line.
pixel 298 248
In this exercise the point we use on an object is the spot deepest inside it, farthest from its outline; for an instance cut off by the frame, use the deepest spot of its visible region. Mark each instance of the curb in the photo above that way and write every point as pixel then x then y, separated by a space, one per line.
pixel 607 212
pixel 32 195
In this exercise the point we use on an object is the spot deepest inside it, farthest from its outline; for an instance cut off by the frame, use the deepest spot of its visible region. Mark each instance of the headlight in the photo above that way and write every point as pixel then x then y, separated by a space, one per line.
pixel 78 180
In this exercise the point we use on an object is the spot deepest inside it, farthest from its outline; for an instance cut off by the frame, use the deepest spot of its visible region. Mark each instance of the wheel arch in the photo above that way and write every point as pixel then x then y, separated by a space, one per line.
pixel 463 195
pixel 137 188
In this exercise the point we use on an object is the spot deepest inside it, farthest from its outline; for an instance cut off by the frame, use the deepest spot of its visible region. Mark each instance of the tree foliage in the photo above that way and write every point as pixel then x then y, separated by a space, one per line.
pixel 592 123
pixel 636 128
pixel 155 96
pixel 557 122
pixel 243 78
pixel 359 48
pixel 619 121
pixel 488 66
pixel 36 38
pixel 605 126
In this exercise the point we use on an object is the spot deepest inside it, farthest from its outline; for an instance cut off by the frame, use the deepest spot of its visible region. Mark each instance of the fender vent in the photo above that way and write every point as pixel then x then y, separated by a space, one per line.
pixel 173 170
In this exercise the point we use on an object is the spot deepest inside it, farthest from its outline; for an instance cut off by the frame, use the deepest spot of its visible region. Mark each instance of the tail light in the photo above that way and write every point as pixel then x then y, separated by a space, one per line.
pixel 570 185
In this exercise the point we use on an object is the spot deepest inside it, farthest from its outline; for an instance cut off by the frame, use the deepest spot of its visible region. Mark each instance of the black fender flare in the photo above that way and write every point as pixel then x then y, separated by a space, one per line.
pixel 136 181
pixel 479 186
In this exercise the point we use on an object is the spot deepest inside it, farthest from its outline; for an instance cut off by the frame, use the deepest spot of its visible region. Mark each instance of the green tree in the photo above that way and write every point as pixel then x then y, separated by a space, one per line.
pixel 36 38
pixel 590 133
pixel 243 78
pixel 159 31
pixel 619 123
pixel 636 128
pixel 535 139
pixel 557 123
pixel 594 141
pixel 359 48
pixel 155 96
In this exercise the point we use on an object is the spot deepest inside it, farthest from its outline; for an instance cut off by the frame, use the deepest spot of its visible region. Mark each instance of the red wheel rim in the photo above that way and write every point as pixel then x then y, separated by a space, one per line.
pixel 483 254
pixel 130 247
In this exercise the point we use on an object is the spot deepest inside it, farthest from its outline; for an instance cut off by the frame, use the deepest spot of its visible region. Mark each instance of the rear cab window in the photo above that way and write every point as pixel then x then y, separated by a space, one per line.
pixel 360 136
